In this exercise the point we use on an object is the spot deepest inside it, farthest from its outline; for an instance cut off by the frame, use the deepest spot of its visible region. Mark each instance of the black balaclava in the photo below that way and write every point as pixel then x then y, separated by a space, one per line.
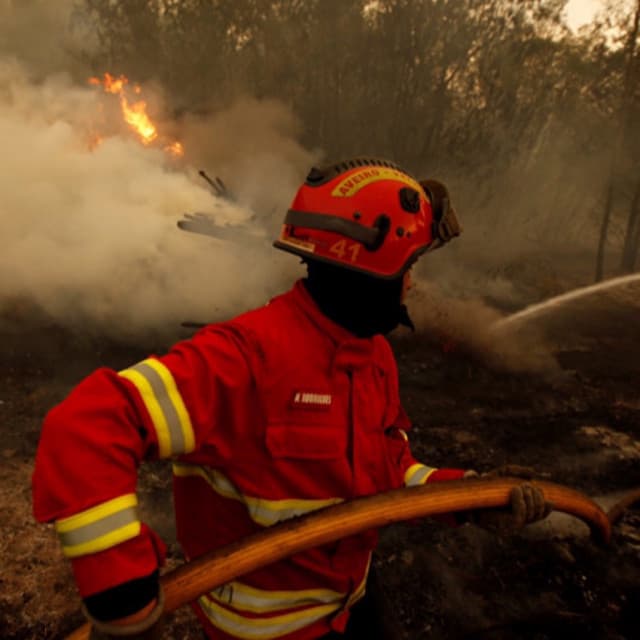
pixel 360 303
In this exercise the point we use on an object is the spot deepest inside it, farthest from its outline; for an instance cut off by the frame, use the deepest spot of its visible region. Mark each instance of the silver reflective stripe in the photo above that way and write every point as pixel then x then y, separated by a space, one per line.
pixel 159 389
pixel 417 474
pixel 242 597
pixel 267 513
pixel 98 529
pixel 261 510
pixel 263 628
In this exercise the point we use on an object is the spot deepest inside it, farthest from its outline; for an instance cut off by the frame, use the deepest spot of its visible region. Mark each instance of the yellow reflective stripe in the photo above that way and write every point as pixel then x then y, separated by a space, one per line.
pixel 215 479
pixel 261 510
pixel 98 512
pixel 178 404
pixel 163 401
pixel 358 593
pixel 153 407
pixel 360 589
pixel 417 474
pixel 103 542
pixel 363 582
pixel 99 527
pixel 243 597
pixel 262 628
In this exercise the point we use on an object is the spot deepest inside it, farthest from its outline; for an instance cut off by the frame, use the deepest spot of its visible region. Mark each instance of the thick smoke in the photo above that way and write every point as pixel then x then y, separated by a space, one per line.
pixel 89 230
pixel 469 326
pixel 37 33
pixel 91 237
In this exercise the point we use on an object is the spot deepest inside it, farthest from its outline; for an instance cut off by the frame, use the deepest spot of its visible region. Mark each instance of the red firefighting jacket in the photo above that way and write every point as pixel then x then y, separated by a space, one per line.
pixel 272 415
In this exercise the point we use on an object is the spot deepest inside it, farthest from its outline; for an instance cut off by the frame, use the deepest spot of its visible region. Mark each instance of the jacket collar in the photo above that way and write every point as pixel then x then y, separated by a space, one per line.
pixel 352 352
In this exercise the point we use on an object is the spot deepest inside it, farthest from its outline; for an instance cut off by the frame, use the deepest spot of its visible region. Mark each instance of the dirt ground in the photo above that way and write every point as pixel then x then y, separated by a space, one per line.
pixel 578 425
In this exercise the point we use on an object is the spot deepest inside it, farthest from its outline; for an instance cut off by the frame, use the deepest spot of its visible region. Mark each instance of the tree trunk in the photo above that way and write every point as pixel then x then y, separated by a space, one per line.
pixel 632 233
pixel 635 240
pixel 625 112
pixel 604 229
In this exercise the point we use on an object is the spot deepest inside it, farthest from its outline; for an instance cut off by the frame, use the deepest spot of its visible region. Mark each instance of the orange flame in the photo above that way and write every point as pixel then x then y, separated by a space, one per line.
pixel 136 116
pixel 95 140
pixel 110 83
pixel 134 113
pixel 175 148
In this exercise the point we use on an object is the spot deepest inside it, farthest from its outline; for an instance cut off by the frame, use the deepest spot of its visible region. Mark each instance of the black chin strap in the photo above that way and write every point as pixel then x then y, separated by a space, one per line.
pixel 362 304
pixel 405 319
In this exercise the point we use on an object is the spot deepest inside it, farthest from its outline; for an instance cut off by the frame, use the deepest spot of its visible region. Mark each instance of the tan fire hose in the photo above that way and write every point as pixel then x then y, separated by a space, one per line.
pixel 191 580
pixel 616 511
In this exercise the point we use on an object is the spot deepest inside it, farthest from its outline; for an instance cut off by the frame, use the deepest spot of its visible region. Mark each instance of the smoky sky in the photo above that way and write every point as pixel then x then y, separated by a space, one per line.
pixel 89 228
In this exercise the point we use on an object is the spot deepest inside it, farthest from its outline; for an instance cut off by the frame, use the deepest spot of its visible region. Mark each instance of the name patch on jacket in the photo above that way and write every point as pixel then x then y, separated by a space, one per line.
pixel 311 400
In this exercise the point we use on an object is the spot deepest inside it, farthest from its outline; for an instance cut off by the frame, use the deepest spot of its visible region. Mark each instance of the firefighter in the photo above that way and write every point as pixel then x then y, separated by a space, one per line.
pixel 276 413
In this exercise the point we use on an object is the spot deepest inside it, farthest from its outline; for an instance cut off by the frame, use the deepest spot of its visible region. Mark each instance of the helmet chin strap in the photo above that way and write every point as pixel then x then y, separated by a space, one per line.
pixel 404 318
pixel 362 304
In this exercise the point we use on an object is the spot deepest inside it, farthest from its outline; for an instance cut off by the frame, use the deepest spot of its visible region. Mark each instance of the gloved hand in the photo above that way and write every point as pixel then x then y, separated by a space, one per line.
pixel 527 503
pixel 149 628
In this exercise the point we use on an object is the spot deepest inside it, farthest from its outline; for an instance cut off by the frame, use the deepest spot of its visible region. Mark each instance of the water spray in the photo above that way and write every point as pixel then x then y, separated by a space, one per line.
pixel 576 294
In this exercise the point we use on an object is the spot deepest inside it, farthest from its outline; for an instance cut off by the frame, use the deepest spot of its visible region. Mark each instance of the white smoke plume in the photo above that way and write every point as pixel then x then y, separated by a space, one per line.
pixel 37 33
pixel 89 232
pixel 469 326
pixel 89 235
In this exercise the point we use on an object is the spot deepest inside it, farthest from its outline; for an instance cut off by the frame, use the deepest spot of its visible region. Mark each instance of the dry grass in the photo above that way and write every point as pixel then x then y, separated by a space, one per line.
pixel 37 594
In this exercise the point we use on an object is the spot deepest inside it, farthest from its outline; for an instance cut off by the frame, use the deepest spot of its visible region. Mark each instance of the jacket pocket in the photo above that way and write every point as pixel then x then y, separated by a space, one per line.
pixel 306 442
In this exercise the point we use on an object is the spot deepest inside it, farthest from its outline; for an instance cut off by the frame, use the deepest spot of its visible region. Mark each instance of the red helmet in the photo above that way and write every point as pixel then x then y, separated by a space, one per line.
pixel 367 215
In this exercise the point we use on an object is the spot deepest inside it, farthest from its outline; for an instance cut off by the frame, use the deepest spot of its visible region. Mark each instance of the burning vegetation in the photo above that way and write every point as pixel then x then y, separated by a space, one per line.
pixel 134 113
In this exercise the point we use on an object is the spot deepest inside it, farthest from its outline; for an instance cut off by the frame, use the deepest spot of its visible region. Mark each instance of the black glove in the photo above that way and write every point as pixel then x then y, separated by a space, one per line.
pixel 150 628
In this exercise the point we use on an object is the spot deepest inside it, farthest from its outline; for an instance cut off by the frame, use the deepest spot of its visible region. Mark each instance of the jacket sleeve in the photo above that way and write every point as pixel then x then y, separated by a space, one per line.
pixel 409 471
pixel 92 443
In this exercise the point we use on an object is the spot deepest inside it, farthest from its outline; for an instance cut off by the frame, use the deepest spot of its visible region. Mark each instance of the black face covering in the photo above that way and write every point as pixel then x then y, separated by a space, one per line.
pixel 360 303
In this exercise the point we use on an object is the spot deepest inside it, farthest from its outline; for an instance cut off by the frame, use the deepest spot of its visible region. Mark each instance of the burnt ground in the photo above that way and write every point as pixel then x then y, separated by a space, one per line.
pixel 579 427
